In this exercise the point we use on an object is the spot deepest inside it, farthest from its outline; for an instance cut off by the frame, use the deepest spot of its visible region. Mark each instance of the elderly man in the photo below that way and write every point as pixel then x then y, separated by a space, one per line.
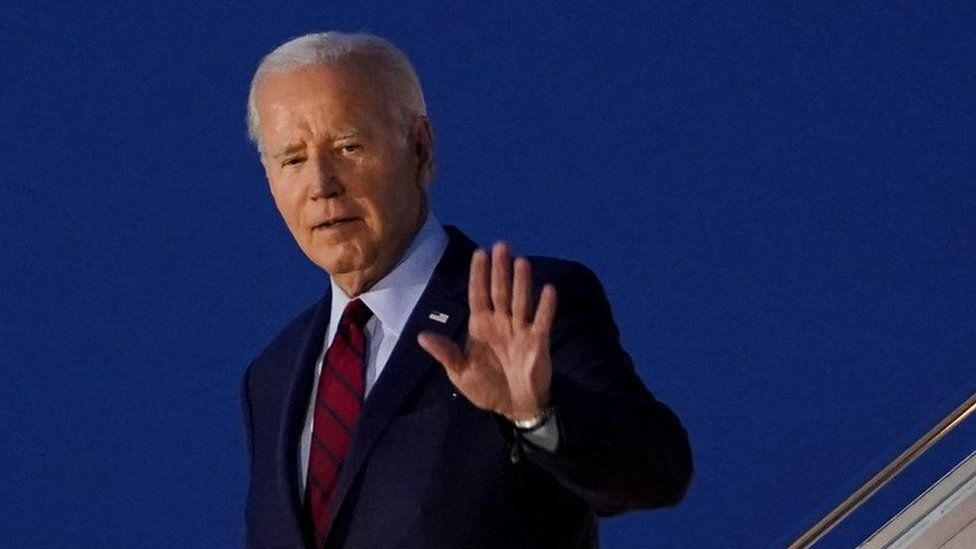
pixel 435 396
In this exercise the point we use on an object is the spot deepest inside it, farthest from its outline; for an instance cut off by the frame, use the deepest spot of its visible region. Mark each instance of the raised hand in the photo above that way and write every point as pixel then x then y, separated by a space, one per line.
pixel 505 365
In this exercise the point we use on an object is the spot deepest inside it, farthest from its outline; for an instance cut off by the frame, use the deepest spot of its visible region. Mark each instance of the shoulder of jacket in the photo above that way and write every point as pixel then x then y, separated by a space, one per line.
pixel 293 334
pixel 565 274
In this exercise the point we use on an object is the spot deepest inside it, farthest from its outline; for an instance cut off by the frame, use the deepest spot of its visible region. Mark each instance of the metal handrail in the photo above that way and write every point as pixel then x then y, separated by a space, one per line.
pixel 882 477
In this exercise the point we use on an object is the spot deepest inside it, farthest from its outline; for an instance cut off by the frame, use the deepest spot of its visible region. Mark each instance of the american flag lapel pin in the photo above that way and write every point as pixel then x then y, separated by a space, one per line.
pixel 439 317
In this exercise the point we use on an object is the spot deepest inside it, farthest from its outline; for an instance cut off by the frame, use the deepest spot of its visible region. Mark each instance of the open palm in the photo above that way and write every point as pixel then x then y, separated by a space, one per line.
pixel 505 365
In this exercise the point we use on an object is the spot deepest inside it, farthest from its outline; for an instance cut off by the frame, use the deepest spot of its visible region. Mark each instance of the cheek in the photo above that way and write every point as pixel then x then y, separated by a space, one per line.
pixel 289 206
pixel 388 212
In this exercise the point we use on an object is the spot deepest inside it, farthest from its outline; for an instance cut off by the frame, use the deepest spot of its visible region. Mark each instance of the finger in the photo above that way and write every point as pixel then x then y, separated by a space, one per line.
pixel 501 278
pixel 546 311
pixel 522 291
pixel 478 283
pixel 443 350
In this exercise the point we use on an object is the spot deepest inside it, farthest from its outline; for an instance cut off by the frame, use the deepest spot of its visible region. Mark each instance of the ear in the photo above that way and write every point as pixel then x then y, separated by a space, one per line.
pixel 423 143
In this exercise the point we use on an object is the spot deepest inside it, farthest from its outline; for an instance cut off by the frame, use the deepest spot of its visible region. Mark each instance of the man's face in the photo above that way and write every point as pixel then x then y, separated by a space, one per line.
pixel 348 179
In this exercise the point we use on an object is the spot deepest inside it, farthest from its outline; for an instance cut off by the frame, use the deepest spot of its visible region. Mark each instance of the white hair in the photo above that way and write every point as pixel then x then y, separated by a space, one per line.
pixel 343 50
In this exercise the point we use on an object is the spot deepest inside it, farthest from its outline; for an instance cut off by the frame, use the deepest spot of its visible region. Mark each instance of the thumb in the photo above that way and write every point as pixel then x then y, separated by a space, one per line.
pixel 443 350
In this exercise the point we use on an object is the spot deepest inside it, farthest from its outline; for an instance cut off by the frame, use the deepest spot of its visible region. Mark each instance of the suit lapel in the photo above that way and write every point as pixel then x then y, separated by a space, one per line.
pixel 445 295
pixel 297 400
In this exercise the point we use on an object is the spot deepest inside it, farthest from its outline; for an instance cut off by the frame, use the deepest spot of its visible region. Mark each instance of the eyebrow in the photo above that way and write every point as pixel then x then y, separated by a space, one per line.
pixel 292 148
pixel 288 149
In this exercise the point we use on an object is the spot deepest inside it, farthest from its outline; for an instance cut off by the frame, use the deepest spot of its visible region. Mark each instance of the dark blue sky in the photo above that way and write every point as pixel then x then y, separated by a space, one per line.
pixel 778 198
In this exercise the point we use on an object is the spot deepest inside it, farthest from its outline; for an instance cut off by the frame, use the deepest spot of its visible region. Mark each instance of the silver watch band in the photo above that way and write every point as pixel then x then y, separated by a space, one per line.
pixel 533 423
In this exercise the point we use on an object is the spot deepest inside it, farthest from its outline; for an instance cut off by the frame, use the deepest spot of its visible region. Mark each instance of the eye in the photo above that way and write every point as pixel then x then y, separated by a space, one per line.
pixel 350 148
pixel 292 161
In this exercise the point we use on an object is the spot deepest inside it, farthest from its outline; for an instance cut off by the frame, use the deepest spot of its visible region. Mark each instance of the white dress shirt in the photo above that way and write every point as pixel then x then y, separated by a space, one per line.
pixel 392 300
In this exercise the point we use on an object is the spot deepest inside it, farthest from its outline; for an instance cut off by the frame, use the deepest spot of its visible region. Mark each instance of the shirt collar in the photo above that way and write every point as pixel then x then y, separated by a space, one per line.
pixel 393 298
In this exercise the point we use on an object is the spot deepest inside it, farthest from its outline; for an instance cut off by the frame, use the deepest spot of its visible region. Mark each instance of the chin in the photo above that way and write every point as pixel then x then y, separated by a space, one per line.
pixel 334 267
pixel 339 263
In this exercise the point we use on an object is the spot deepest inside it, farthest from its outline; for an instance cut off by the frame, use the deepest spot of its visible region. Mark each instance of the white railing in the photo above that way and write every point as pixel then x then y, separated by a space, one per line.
pixel 882 477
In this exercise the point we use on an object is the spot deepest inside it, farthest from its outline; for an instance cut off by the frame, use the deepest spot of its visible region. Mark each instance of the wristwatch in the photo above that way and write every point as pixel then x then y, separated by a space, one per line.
pixel 533 423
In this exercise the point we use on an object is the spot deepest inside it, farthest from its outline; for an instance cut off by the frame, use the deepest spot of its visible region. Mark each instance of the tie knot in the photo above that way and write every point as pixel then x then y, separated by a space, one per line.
pixel 357 313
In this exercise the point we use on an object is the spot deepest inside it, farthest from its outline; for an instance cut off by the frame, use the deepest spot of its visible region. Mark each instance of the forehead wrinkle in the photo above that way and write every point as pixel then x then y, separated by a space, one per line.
pixel 307 119
pixel 323 122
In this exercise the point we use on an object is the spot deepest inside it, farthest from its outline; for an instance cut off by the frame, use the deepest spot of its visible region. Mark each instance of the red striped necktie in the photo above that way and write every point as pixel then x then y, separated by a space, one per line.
pixel 338 400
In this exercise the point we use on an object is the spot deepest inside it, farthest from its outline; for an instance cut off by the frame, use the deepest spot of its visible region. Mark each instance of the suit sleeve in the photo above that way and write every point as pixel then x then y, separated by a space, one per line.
pixel 619 448
pixel 246 409
pixel 248 432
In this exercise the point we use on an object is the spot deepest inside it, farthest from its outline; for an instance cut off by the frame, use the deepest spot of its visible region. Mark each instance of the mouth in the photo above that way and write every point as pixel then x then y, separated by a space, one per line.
pixel 334 222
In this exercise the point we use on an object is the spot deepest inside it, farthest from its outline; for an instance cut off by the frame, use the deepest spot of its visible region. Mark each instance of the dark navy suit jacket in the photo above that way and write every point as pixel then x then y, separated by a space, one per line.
pixel 427 469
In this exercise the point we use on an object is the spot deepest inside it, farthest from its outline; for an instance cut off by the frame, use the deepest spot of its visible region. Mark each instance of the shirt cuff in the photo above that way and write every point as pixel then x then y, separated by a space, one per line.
pixel 546 436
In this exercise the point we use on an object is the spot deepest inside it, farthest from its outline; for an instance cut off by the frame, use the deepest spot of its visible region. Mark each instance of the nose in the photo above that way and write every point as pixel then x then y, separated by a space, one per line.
pixel 325 183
